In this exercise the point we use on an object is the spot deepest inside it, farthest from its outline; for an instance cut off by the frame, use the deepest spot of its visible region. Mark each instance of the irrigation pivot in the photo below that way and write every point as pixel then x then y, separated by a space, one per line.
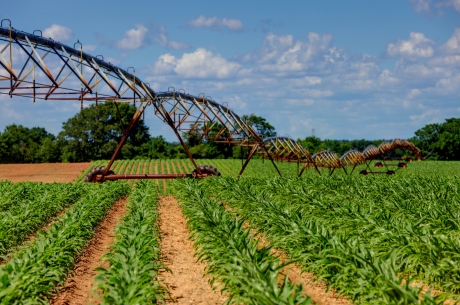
pixel 40 68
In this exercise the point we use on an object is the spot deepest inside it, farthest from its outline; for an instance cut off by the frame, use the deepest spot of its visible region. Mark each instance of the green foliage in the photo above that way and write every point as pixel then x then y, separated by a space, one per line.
pixel 158 148
pixel 248 272
pixel 33 274
pixel 94 133
pixel 27 206
pixel 440 141
pixel 19 144
pixel 264 128
pixel 368 238
pixel 340 147
pixel 135 257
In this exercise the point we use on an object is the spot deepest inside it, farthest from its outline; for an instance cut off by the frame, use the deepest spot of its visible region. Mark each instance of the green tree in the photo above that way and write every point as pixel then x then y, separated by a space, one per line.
pixel 439 141
pixel 201 144
pixel 260 124
pixel 19 144
pixel 158 148
pixel 312 144
pixel 448 144
pixel 426 139
pixel 95 132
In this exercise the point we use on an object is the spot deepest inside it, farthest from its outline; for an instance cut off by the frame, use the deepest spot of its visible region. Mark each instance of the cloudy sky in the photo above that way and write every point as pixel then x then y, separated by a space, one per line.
pixel 354 69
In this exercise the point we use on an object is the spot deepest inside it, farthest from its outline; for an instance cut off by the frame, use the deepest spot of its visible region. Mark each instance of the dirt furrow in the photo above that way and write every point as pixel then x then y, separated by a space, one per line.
pixel 186 282
pixel 317 290
pixel 78 288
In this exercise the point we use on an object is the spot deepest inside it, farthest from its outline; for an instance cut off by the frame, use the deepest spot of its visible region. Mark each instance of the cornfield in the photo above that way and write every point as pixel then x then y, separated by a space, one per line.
pixel 372 239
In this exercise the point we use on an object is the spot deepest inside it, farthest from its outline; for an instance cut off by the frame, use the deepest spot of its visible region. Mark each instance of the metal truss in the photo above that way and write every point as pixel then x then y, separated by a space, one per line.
pixel 43 69
pixel 288 150
pixel 40 68
pixel 285 149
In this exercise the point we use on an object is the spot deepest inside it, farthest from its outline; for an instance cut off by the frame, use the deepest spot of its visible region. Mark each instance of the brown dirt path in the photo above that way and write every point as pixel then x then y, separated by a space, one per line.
pixel 42 172
pixel 186 282
pixel 314 289
pixel 317 290
pixel 78 288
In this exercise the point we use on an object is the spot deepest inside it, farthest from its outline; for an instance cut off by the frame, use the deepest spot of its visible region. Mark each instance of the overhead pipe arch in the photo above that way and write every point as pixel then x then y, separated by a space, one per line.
pixel 41 68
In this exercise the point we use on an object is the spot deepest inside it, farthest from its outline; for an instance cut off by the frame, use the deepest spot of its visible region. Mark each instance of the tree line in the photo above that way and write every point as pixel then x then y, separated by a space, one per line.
pixel 94 133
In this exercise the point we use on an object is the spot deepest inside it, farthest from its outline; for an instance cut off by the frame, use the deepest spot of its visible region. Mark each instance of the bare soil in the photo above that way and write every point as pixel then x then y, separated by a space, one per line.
pixel 43 172
pixel 186 281
pixel 317 290
pixel 78 290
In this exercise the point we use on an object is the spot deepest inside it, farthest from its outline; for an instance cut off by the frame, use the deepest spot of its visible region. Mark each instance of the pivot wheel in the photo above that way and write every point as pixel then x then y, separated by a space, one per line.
pixel 206 170
pixel 363 172
pixel 91 176
pixel 378 164
pixel 391 173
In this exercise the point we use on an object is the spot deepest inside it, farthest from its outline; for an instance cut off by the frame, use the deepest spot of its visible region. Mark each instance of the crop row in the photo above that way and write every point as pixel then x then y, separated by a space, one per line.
pixel 418 218
pixel 365 238
pixel 134 258
pixel 31 275
pixel 31 205
pixel 260 168
pixel 245 270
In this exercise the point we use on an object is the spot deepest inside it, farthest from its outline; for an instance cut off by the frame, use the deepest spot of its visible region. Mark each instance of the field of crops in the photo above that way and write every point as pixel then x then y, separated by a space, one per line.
pixel 261 168
pixel 373 239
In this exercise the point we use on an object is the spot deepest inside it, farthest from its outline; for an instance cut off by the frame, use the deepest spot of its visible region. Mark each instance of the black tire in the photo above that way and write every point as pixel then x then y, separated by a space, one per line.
pixel 97 170
pixel 378 164
pixel 363 172
pixel 391 173
pixel 402 165
pixel 206 169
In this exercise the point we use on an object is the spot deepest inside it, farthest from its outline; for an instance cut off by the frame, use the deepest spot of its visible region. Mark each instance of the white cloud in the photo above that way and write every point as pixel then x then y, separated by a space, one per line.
pixel 406 104
pixel 313 80
pixel 199 64
pixel 421 6
pixel 236 102
pixel 430 115
pixel 349 95
pixel 453 3
pixel 165 64
pixel 424 6
pixel 133 39
pixel 58 32
pixel 449 61
pixel 456 4
pixel 164 41
pixel 416 47
pixel 215 23
pixel 283 54
pixel 449 85
pixel 413 93
pixel 300 102
pixel 452 46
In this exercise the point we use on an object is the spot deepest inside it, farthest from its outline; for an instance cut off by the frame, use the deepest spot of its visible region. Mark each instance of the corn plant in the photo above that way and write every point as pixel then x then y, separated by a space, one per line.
pixel 135 256
pixel 245 270
pixel 39 202
pixel 34 273
pixel 342 257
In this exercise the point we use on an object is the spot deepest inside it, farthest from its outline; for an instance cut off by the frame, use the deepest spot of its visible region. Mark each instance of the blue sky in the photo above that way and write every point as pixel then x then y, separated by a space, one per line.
pixel 350 69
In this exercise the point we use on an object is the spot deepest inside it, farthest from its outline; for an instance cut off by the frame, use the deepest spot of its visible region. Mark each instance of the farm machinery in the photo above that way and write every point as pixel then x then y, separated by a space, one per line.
pixel 285 149
pixel 40 68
